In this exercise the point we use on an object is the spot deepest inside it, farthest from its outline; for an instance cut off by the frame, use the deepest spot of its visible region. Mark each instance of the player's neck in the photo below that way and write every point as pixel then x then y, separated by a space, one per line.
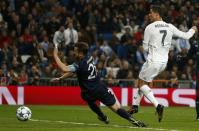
pixel 158 19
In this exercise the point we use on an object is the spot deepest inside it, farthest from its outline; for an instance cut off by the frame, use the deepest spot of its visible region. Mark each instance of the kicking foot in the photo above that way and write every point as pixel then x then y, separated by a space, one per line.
pixel 133 109
pixel 137 122
pixel 104 119
pixel 159 111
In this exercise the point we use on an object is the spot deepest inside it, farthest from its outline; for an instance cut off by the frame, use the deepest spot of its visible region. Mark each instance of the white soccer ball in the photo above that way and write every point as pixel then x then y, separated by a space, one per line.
pixel 23 113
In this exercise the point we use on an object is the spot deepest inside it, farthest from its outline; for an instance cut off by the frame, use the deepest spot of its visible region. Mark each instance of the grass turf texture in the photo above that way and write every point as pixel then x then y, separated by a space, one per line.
pixel 175 118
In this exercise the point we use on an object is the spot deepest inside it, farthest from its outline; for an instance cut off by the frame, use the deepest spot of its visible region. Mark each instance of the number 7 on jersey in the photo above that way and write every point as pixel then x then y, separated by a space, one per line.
pixel 164 32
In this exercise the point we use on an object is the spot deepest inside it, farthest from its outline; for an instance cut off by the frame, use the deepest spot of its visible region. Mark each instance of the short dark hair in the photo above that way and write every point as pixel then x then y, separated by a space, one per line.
pixel 82 47
pixel 157 9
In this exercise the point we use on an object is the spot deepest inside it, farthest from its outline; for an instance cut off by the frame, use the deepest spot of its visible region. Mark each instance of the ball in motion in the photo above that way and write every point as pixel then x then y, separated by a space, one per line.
pixel 23 113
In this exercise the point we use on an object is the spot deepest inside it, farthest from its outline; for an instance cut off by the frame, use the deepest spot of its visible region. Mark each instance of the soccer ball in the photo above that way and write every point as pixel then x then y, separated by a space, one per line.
pixel 23 113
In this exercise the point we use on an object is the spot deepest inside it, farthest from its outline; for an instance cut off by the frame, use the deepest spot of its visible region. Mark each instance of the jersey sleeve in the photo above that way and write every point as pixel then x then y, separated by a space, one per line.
pixel 146 38
pixel 73 67
pixel 184 35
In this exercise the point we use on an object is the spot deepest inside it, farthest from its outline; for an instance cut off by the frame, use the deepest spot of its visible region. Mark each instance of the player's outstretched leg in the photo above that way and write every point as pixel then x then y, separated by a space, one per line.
pixel 137 122
pixel 104 119
pixel 160 110
pixel 124 114
pixel 101 116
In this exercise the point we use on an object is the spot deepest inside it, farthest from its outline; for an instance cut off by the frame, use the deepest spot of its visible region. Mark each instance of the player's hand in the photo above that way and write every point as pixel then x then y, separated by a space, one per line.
pixel 54 79
pixel 194 28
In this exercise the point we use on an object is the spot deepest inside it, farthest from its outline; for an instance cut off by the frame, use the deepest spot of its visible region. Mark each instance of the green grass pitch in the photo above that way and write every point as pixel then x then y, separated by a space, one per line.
pixel 80 118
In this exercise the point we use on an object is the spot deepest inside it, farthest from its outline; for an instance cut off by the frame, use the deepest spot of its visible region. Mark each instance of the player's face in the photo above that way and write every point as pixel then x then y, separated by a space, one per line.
pixel 152 15
pixel 78 55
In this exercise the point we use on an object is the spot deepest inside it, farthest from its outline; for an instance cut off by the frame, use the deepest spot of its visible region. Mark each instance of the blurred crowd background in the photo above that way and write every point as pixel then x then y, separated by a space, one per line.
pixel 112 28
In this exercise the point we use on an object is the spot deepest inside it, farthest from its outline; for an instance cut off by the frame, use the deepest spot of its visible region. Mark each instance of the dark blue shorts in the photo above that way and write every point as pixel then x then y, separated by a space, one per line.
pixel 102 94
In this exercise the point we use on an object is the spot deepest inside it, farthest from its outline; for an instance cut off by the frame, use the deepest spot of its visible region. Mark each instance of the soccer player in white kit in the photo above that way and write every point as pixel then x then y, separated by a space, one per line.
pixel 157 41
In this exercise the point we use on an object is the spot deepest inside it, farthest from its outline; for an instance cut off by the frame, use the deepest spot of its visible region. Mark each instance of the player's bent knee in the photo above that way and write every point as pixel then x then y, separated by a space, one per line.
pixel 141 83
pixel 115 107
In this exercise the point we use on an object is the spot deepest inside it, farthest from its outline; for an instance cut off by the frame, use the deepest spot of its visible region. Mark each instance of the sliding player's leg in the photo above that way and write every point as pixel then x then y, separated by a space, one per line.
pixel 124 114
pixel 94 107
pixel 107 98
pixel 101 116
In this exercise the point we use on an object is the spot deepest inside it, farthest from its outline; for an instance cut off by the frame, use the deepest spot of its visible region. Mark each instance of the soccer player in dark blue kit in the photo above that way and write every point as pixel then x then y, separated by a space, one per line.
pixel 92 89
pixel 195 51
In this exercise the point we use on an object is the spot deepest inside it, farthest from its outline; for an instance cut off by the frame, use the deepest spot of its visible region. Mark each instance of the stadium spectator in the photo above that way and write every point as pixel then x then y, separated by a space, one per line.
pixel 6 53
pixel 106 49
pixel 190 69
pixel 182 45
pixel 138 35
pixel 101 67
pixel 5 39
pixel 140 56
pixel 2 74
pixel 23 77
pixel 123 73
pixel 28 38
pixel 45 43
pixel 34 75
pixel 122 50
pixel 47 72
pixel 173 80
pixel 58 38
pixel 4 68
pixel 41 53
pixel 70 36
pixel 131 47
pixel 128 33
pixel 3 24
pixel 13 77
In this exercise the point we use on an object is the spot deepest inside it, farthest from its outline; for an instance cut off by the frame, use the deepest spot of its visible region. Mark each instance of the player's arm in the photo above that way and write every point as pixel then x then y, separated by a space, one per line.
pixel 62 66
pixel 65 75
pixel 146 38
pixel 184 35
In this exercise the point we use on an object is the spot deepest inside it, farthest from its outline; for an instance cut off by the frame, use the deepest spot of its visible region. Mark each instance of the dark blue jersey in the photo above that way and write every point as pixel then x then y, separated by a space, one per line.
pixel 195 51
pixel 89 81
pixel 86 74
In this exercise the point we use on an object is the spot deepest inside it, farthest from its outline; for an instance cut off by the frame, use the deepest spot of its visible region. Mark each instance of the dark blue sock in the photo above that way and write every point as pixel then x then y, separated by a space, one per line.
pixel 123 113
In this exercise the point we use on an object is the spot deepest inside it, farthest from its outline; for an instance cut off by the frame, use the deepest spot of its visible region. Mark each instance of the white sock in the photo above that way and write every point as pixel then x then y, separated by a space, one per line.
pixel 137 98
pixel 149 94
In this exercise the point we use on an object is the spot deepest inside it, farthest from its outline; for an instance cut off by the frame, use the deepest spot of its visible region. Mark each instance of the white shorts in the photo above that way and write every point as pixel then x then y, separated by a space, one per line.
pixel 150 70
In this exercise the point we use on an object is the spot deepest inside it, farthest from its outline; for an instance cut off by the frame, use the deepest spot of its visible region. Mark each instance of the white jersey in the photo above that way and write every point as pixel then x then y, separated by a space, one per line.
pixel 157 40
